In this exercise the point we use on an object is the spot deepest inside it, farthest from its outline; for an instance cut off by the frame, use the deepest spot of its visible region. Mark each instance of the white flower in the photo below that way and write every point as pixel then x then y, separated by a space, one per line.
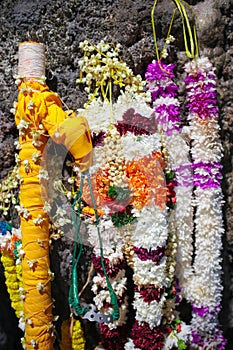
pixel 40 287
pixel 31 105
pixel 60 222
pixel 130 345
pixel 38 220
pixel 36 157
pixel 136 147
pixel 149 313
pixel 23 211
pixel 171 341
pixel 47 207
pixel 43 174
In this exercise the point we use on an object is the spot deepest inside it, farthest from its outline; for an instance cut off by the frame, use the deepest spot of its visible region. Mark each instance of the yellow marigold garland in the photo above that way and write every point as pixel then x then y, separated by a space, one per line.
pixel 13 274
pixel 78 340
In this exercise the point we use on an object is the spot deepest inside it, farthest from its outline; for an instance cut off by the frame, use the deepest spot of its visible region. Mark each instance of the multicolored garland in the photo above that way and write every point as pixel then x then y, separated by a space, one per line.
pixel 175 149
pixel 205 287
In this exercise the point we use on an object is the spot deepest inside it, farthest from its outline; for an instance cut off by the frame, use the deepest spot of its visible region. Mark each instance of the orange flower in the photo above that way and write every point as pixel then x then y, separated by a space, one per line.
pixel 146 180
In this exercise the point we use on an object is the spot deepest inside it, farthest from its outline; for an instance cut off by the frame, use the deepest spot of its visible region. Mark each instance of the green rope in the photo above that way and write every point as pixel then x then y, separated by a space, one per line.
pixel 116 313
pixel 74 299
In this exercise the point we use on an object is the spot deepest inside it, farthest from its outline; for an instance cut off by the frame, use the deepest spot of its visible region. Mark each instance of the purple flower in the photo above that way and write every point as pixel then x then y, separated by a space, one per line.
pixel 168 116
pixel 220 338
pixel 202 94
pixel 207 175
pixel 183 175
pixel 200 311
pixel 159 71
pixel 159 82
pixel 196 339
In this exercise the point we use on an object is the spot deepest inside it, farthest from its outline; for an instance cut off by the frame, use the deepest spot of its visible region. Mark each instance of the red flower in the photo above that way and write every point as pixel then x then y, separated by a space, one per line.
pixel 150 293
pixel 146 338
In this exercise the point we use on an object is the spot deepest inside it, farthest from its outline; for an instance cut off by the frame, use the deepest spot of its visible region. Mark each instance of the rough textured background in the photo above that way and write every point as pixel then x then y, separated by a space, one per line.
pixel 61 25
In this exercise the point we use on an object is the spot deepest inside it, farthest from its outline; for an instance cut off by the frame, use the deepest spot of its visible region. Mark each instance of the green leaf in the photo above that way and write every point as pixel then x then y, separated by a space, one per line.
pixel 119 193
pixel 181 344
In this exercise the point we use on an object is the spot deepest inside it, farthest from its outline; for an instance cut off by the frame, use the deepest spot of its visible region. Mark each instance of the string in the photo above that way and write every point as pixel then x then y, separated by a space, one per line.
pixel 31 60
pixel 180 4
pixel 190 35
pixel 154 31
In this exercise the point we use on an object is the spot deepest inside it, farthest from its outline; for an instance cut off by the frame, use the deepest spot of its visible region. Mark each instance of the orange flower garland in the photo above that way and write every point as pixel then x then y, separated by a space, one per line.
pixel 147 181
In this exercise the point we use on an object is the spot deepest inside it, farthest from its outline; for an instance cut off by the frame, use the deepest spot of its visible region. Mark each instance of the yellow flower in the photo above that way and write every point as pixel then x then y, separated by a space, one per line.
pixel 13 276
pixel 78 341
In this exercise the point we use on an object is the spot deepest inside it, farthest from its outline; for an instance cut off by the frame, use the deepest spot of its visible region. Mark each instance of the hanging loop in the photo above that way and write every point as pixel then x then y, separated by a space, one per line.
pixel 189 32
pixel 74 299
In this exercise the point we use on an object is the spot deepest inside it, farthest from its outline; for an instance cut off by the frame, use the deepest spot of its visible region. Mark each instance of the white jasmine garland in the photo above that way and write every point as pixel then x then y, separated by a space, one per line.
pixel 136 147
pixel 118 284
pixel 128 99
pixel 180 162
pixel 147 272
pixel 110 239
pixel 98 114
pixel 151 228
pixel 150 313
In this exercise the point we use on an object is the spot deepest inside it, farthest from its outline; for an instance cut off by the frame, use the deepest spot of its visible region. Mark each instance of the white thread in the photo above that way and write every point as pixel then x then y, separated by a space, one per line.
pixel 31 60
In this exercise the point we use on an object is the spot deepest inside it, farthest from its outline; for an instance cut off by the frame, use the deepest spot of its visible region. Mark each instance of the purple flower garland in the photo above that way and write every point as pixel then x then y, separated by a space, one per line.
pixel 206 155
pixel 166 105
pixel 164 92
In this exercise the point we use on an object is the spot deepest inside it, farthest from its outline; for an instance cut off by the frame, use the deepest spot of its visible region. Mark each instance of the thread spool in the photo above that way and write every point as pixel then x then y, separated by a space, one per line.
pixel 31 64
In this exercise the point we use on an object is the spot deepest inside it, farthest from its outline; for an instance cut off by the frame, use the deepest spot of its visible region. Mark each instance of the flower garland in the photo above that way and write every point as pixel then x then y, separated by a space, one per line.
pixel 113 333
pixel 10 247
pixel 8 189
pixel 78 340
pixel 205 287
pixel 124 190
pixel 176 154
pixel 164 95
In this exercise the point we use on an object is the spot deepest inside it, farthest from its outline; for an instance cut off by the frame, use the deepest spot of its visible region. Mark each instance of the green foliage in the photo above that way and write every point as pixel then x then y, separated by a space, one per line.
pixel 119 193
pixel 120 219
pixel 181 345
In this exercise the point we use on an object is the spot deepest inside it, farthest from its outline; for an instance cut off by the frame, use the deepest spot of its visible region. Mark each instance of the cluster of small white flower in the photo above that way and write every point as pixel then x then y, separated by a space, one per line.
pixel 8 190
pixel 101 67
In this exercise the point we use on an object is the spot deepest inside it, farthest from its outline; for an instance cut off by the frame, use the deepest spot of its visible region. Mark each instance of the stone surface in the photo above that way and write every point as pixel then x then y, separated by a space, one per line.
pixel 61 25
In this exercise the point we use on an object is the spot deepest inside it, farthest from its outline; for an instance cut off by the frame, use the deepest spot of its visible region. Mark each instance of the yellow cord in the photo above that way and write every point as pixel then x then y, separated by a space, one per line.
pixel 188 32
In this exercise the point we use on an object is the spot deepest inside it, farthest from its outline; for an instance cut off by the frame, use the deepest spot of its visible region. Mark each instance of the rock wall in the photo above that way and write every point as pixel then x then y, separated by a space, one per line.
pixel 61 25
